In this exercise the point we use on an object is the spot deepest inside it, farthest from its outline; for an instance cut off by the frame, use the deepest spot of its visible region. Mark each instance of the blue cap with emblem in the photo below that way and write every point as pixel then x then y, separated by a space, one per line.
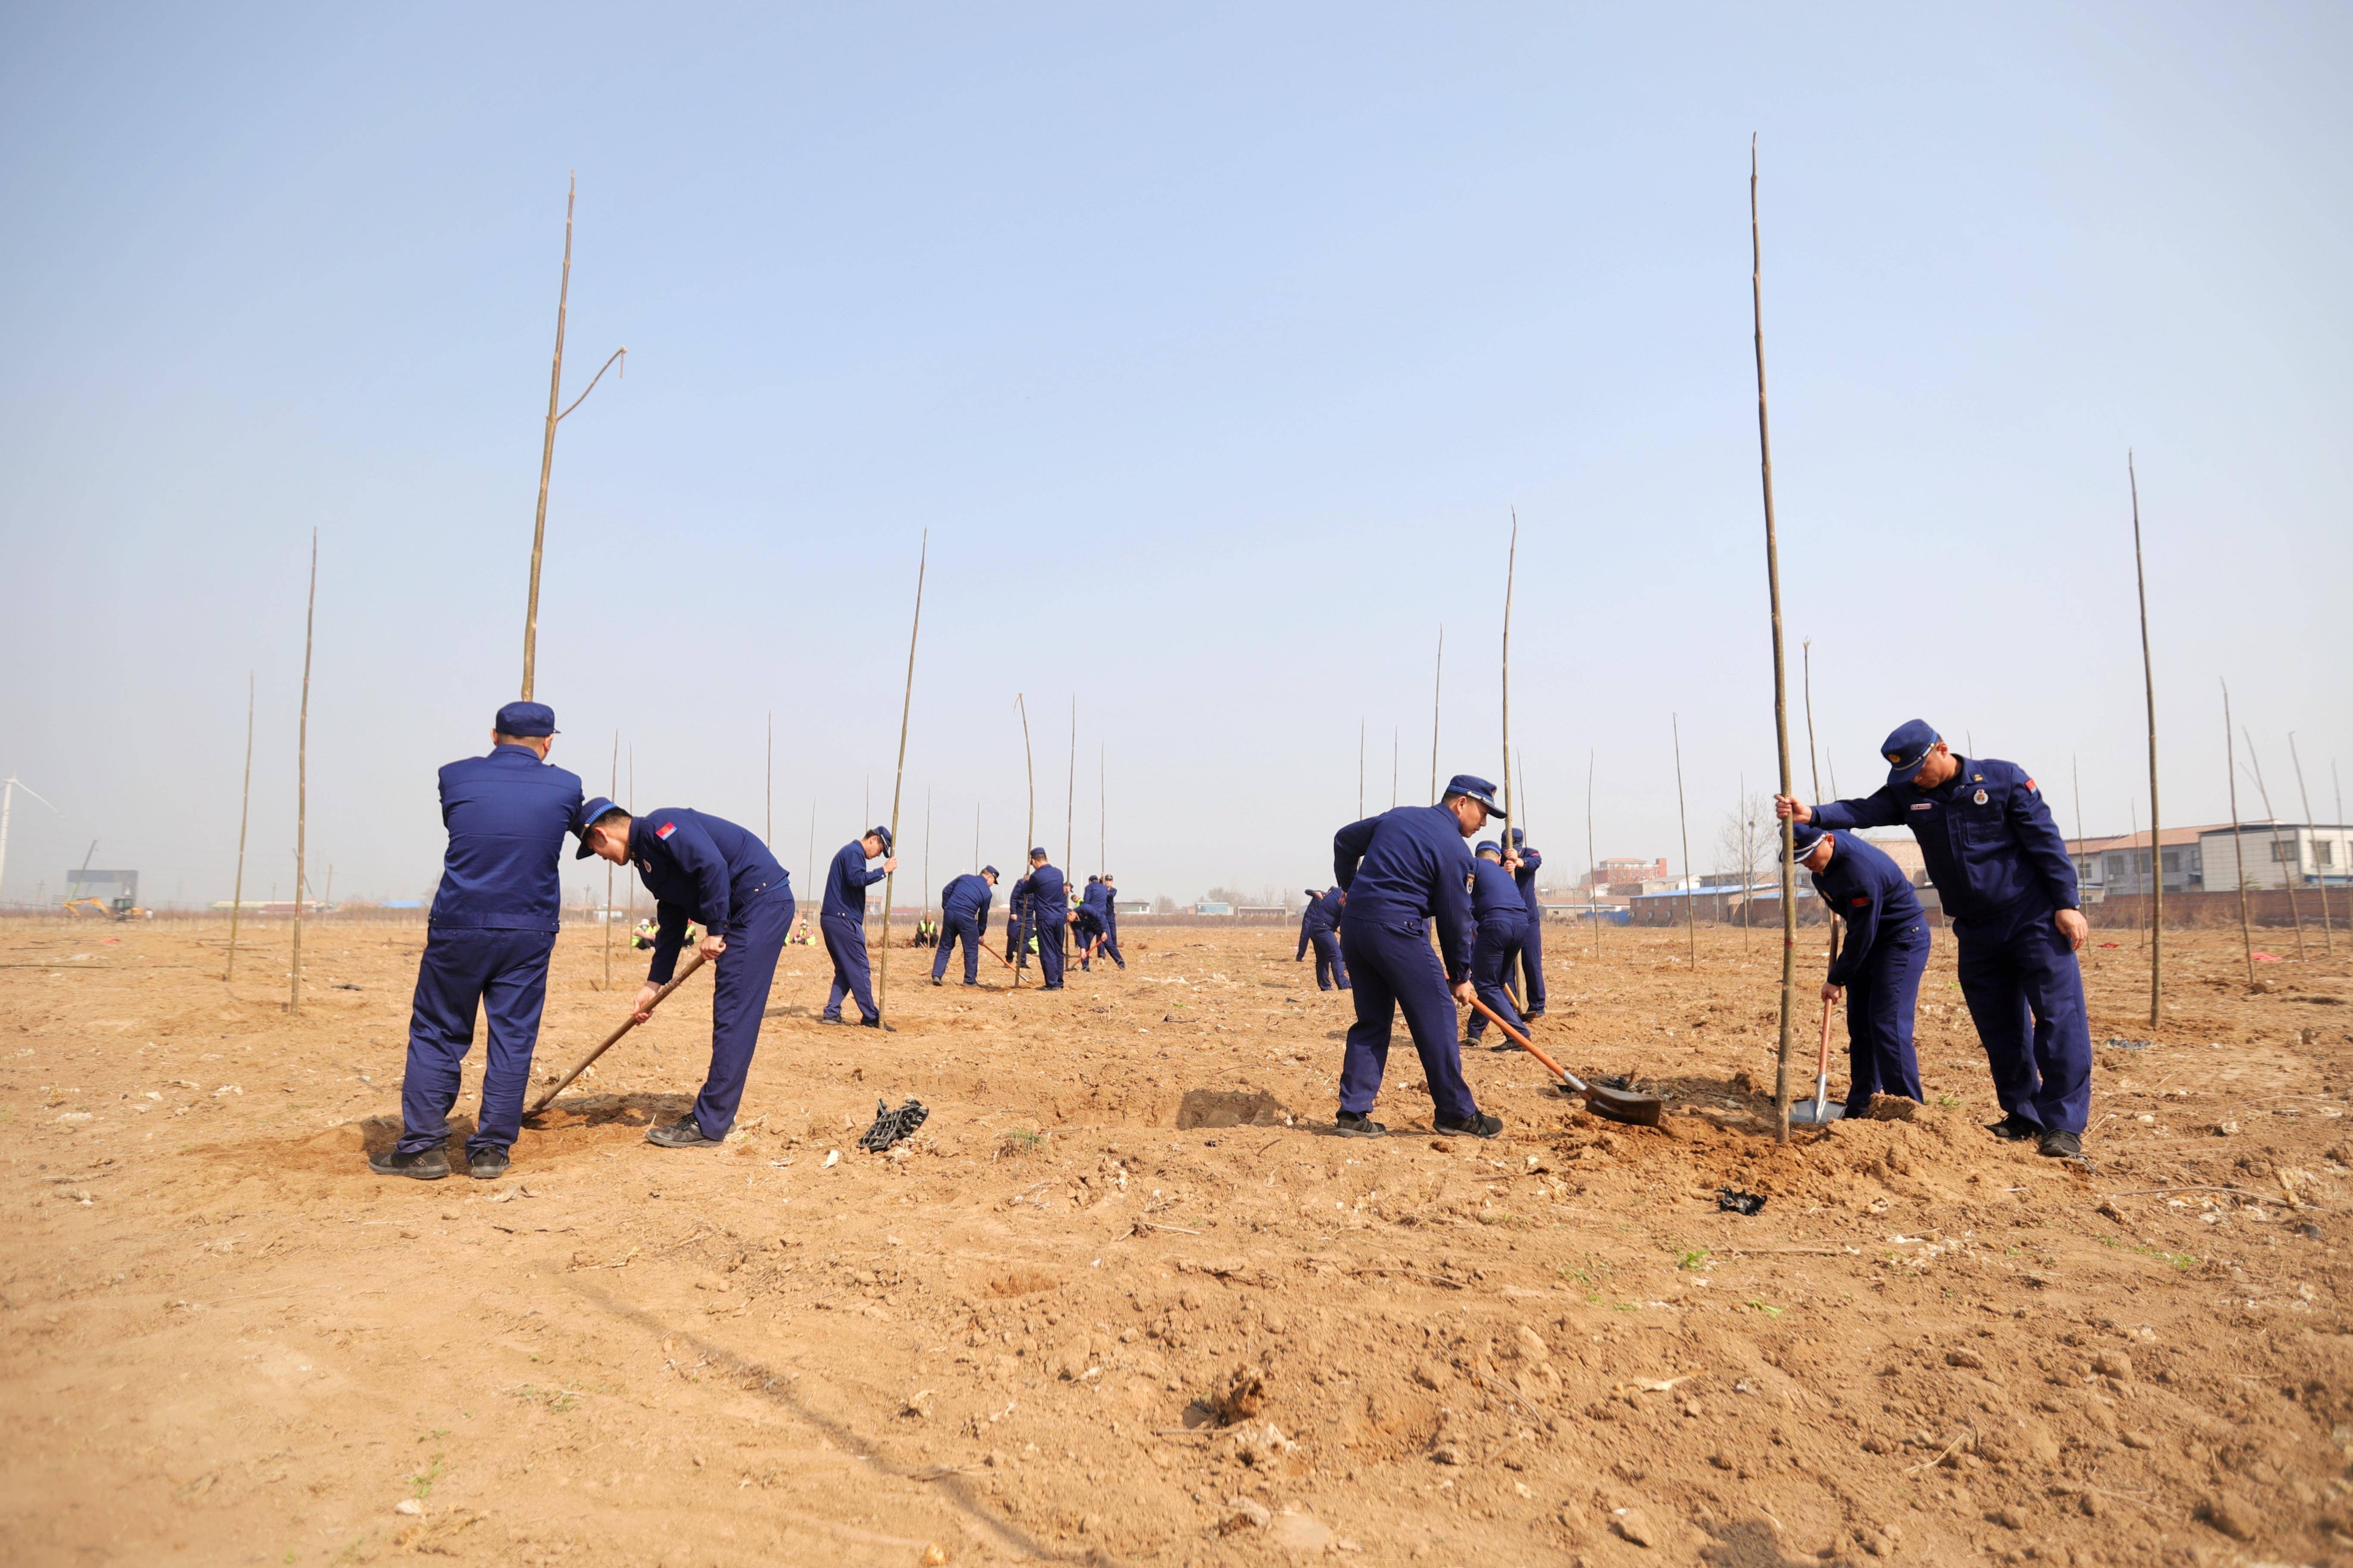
pixel 1804 836
pixel 1906 749
pixel 526 719
pixel 589 812
pixel 1477 789
pixel 1489 846
pixel 990 871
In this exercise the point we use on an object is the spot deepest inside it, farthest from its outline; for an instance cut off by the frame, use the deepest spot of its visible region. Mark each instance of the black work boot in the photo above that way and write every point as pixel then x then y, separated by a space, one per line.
pixel 426 1165
pixel 2014 1129
pixel 2061 1146
pixel 486 1164
pixel 1355 1124
pixel 686 1132
pixel 1481 1125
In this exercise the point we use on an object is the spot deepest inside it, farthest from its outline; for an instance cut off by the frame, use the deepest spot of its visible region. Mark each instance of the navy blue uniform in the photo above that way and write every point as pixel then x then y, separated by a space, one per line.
pixel 1880 965
pixel 1091 921
pixel 842 918
pixel 1319 927
pixel 486 944
pixel 706 871
pixel 1501 918
pixel 1044 899
pixel 2001 869
pixel 1403 871
pixel 1110 924
pixel 1532 981
pixel 964 906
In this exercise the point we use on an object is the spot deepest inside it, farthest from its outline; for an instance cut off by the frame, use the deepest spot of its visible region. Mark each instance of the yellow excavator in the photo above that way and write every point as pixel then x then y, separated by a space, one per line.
pixel 123 906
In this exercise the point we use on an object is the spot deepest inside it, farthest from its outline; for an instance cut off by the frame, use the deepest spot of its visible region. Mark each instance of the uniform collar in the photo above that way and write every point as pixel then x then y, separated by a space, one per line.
pixel 507 748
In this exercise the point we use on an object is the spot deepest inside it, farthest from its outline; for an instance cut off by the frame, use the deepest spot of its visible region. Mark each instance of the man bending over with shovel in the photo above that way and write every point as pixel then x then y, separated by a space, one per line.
pixel 703 868
pixel 2003 872
pixel 1400 870
pixel 1879 968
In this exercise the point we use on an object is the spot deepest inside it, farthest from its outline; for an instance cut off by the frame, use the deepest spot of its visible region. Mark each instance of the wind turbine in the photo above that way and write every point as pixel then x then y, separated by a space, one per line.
pixel 8 788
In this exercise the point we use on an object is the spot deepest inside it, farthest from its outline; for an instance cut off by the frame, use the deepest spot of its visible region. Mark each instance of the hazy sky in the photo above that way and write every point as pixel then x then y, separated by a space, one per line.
pixel 1213 345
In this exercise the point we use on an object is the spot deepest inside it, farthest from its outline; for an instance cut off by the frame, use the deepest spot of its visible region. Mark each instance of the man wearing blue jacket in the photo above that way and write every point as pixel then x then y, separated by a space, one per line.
pixel 486 944
pixel 1044 900
pixel 1090 922
pixel 1111 920
pixel 705 870
pixel 963 910
pixel 1401 871
pixel 2002 871
pixel 1532 980
pixel 843 920
pixel 1319 926
pixel 1878 969
pixel 1501 918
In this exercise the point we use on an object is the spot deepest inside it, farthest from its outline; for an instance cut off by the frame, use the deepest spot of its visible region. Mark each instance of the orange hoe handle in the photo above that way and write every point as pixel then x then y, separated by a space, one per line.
pixel 694 962
pixel 1528 1046
pixel 997 955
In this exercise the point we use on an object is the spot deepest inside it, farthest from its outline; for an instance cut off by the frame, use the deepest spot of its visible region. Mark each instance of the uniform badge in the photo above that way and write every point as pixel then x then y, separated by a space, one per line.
pixel 1980 798
pixel 1864 903
pixel 646 866
pixel 667 828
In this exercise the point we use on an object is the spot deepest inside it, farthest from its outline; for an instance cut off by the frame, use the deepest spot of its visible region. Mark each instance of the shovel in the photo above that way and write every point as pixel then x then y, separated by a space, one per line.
pixel 1611 1104
pixel 694 962
pixel 1821 1112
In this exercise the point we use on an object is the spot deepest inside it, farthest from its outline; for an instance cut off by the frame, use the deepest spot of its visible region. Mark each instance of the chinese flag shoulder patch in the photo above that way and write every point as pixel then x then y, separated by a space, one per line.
pixel 2030 783
pixel 665 830
pixel 1862 904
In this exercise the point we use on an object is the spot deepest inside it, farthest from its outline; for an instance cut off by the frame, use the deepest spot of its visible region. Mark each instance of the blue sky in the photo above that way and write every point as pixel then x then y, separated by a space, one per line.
pixel 1213 348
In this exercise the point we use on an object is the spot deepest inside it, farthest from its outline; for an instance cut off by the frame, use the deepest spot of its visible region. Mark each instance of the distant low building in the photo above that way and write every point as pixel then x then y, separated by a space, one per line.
pixel 2121 863
pixel 2274 855
pixel 1211 907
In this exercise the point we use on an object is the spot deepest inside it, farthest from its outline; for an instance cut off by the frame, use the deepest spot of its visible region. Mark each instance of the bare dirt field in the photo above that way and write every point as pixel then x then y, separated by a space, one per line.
pixel 1065 1324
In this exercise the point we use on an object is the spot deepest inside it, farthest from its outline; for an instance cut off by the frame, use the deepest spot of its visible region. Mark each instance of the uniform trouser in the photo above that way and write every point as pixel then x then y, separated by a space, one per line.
pixel 1086 932
pixel 1494 956
pixel 503 973
pixel 845 943
pixel 1392 966
pixel 1532 963
pixel 1331 969
pixel 1050 951
pixel 739 999
pixel 1110 947
pixel 2025 994
pixel 1880 1002
pixel 953 930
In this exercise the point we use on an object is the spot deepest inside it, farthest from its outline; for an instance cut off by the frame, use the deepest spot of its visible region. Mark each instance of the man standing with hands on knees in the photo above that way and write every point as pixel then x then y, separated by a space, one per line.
pixel 486 944
pixel 2002 871
pixel 843 920
pixel 704 869
pixel 1401 870
pixel 1879 968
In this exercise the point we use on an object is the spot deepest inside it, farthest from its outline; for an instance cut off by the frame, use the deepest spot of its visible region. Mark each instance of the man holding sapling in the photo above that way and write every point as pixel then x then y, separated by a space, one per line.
pixel 704 868
pixel 486 944
pixel 2001 869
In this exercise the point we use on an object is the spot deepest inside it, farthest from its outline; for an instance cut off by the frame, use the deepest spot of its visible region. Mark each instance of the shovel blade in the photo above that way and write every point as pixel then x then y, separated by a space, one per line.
pixel 1618 1105
pixel 1819 1111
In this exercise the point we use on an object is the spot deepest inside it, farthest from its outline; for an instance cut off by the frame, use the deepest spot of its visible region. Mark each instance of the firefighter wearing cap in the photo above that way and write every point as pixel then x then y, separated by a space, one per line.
pixel 1044 900
pixel 1111 920
pixel 2002 872
pixel 843 920
pixel 1319 927
pixel 705 869
pixel 964 909
pixel 1402 871
pixel 1500 919
pixel 486 944
pixel 1532 980
pixel 1878 967
pixel 1092 921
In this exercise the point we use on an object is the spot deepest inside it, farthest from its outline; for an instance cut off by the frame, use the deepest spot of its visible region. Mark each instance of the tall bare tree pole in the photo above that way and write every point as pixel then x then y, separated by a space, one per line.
pixel 1070 798
pixel 1437 686
pixel 2156 820
pixel 906 705
pixel 615 789
pixel 302 781
pixel 2328 931
pixel 1511 573
pixel 547 446
pixel 244 814
pixel 2290 869
pixel 1029 832
pixel 1780 674
pixel 2238 841
pixel 1691 891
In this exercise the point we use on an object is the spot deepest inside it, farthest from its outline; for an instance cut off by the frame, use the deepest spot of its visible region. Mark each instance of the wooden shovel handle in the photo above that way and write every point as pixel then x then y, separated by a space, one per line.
pixel 693 962
pixel 1528 1046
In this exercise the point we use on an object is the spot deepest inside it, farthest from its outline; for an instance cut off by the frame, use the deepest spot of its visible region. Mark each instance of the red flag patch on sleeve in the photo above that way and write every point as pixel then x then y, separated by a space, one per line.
pixel 2030 783
pixel 1862 904
pixel 665 830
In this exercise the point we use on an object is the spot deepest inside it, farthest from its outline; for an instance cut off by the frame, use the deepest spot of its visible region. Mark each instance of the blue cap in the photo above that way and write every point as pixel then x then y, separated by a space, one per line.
pixel 1804 836
pixel 1037 854
pixel 589 812
pixel 881 833
pixel 1489 846
pixel 1478 789
pixel 526 719
pixel 1906 749
pixel 1518 836
pixel 990 871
